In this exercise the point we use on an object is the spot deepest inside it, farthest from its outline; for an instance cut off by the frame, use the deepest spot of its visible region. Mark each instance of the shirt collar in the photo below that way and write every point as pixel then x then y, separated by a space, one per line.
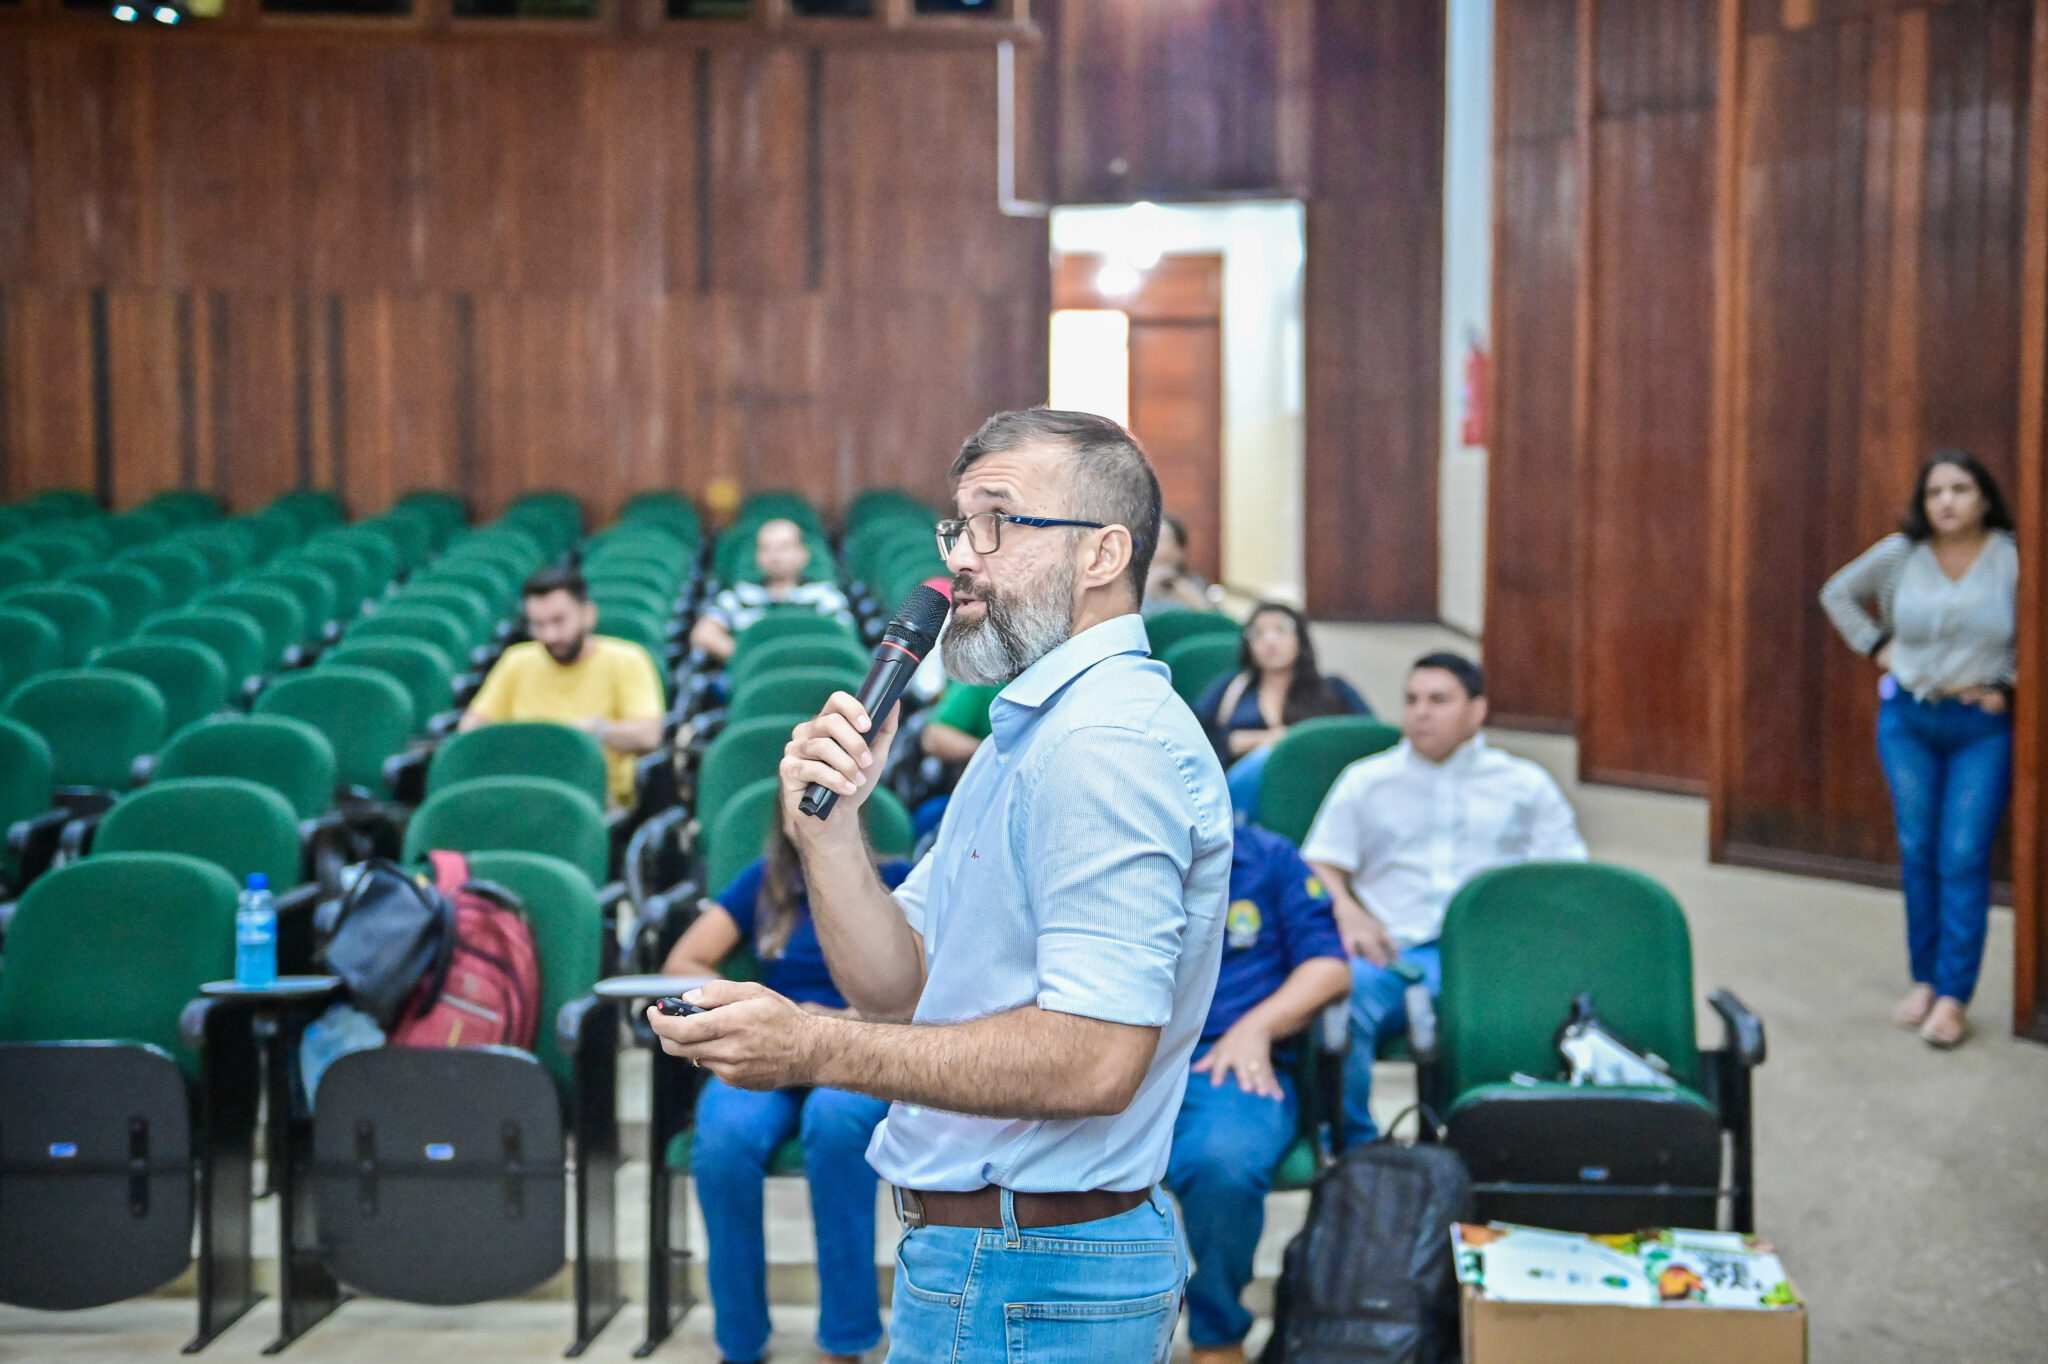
pixel 1039 683
pixel 1463 758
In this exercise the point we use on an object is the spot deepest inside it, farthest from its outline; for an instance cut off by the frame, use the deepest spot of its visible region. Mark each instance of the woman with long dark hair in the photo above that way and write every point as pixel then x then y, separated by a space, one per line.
pixel 738 1130
pixel 1933 605
pixel 1277 685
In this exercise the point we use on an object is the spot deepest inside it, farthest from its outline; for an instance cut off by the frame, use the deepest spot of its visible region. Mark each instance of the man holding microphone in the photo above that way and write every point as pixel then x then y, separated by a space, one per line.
pixel 1030 997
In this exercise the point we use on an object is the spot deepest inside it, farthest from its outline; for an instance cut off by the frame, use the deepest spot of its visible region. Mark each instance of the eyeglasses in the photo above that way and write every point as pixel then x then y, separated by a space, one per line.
pixel 984 530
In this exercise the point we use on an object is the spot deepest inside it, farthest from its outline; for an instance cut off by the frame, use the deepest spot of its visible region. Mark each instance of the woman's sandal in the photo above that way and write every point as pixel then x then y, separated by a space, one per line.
pixel 1912 1011
pixel 1946 1026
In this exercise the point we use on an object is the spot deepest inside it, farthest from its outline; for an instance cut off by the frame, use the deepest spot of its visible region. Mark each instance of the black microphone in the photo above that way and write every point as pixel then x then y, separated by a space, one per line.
pixel 904 644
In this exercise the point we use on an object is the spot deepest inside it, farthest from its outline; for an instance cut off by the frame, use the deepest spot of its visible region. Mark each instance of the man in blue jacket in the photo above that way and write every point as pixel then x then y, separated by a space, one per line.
pixel 1283 962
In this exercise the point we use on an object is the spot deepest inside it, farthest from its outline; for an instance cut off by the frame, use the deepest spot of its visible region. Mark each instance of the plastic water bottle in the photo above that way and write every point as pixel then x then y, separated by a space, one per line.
pixel 256 935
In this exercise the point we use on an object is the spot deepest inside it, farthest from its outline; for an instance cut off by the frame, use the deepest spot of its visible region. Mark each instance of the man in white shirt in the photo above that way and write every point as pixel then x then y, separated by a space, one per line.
pixel 1401 831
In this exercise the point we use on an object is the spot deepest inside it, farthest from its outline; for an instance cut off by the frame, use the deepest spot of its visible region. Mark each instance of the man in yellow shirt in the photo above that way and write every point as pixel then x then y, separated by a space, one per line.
pixel 570 675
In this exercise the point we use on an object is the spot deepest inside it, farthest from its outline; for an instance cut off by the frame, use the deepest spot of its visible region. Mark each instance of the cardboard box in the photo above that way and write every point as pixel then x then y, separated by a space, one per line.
pixel 1582 1333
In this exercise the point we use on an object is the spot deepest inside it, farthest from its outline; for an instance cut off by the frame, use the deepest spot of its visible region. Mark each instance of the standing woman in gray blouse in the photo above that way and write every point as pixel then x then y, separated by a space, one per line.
pixel 1933 606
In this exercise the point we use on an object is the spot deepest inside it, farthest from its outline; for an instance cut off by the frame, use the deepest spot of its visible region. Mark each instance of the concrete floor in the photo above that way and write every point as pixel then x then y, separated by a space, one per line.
pixel 1906 1189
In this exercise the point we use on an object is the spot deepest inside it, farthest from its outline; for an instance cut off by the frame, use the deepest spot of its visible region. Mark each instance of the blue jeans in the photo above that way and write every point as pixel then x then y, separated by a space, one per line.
pixel 1379 1013
pixel 737 1132
pixel 1225 1145
pixel 1949 765
pixel 1081 1294
pixel 1244 779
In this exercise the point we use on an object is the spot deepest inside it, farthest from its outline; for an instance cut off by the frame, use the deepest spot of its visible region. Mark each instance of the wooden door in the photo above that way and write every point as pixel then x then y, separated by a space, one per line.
pixel 1176 396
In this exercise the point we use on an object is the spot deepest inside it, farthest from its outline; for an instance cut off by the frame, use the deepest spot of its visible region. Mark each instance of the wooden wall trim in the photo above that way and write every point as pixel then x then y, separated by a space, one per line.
pixel 2030 729
pixel 1722 465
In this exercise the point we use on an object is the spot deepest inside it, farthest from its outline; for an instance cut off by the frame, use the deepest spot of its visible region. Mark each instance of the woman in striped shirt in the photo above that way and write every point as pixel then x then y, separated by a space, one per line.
pixel 1933 606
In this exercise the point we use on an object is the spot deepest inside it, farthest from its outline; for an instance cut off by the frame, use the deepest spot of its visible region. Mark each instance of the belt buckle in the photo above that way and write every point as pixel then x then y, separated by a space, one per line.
pixel 909 1207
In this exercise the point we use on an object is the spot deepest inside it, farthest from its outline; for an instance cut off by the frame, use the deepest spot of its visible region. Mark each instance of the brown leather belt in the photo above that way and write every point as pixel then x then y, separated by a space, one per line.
pixel 983 1207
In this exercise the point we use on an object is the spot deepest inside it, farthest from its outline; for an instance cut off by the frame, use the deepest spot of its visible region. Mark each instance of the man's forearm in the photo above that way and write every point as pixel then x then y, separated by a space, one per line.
pixel 874 957
pixel 1023 1063
pixel 1337 882
pixel 634 736
pixel 1308 989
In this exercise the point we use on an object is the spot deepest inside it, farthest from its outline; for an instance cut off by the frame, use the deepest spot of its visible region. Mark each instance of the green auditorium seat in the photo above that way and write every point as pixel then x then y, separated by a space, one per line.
pixel 272 533
pixel 225 552
pixel 1520 944
pixel 444 508
pixel 68 503
pixel 131 529
pixel 111 1143
pixel 739 831
pixel 426 673
pixel 275 610
pixel 132 592
pixel 529 814
pixel 528 749
pixel 366 715
pixel 82 616
pixel 183 506
pixel 235 635
pixel 777 626
pixel 812 651
pixel 496 584
pixel 351 578
pixel 289 756
pixel 313 588
pixel 18 567
pixel 796 691
pixel 1169 628
pixel 470 607
pixel 1198 661
pixel 57 551
pixel 315 509
pixel 240 826
pixel 1307 762
pixel 568 934
pixel 629 596
pixel 29 644
pixel 428 624
pixel 26 769
pixel 187 674
pixel 96 721
pixel 377 555
pixel 742 753
pixel 182 572
pixel 467 1227
pixel 411 537
pixel 652 585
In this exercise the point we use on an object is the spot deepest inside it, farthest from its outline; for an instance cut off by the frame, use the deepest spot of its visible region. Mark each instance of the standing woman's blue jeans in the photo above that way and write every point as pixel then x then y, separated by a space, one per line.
pixel 737 1133
pixel 1949 765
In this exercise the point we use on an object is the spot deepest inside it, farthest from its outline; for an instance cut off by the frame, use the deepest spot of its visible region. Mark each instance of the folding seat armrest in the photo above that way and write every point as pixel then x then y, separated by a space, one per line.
pixel 297 657
pixel 405 775
pixel 35 842
pixel 585 1024
pixel 142 769
pixel 466 686
pixel 76 840
pixel 612 908
pixel 1742 1031
pixel 252 687
pixel 443 725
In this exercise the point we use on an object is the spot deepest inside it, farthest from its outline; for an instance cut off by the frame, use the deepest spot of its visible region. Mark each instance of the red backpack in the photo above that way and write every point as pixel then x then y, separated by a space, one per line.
pixel 485 988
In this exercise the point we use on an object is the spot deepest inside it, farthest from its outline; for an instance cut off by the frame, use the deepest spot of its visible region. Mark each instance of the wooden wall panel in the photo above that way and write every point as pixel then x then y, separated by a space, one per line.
pixel 2030 506
pixel 1644 628
pixel 1372 310
pixel 1874 283
pixel 1176 101
pixel 375 263
pixel 1532 468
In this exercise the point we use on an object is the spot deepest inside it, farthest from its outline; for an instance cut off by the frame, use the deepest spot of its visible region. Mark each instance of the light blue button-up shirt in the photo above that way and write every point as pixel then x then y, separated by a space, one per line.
pixel 1083 866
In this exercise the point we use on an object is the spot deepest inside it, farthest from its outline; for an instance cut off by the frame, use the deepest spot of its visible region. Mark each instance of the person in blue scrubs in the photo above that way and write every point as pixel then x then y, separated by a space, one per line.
pixel 1282 964
pixel 766 910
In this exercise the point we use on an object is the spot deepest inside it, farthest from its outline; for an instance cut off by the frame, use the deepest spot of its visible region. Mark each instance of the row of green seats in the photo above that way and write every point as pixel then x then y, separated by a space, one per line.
pixel 891 545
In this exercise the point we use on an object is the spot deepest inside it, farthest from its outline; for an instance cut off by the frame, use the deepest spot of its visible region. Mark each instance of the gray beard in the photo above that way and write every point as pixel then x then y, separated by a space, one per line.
pixel 1012 635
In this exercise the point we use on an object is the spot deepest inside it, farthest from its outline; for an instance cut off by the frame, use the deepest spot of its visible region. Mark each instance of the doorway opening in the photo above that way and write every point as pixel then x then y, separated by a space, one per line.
pixel 1183 322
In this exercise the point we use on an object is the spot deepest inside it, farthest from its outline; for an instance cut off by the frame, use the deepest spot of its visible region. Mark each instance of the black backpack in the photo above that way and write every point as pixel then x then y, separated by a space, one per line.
pixel 392 930
pixel 1370 1278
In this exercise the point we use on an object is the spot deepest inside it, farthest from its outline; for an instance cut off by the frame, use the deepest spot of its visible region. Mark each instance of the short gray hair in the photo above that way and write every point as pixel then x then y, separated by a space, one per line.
pixel 1107 474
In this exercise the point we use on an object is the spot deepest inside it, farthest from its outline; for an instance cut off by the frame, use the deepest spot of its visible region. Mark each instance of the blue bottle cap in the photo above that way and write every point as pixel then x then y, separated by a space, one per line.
pixel 258 881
